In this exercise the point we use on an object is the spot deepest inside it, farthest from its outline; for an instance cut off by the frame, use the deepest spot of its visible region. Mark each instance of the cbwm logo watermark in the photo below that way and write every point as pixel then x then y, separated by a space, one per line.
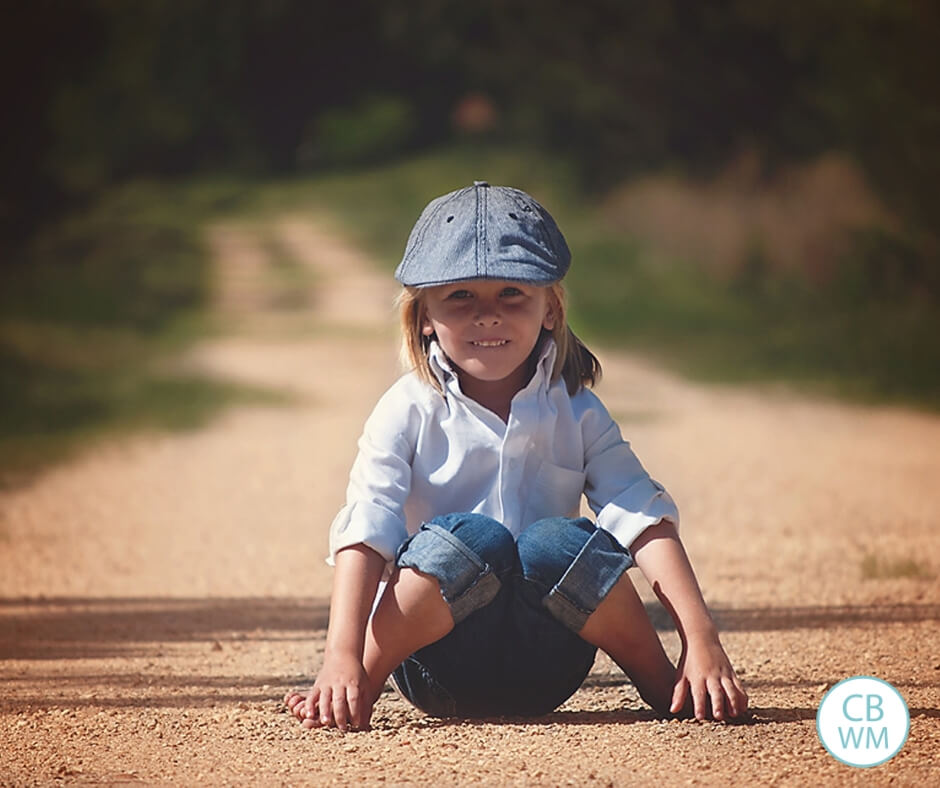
pixel 863 721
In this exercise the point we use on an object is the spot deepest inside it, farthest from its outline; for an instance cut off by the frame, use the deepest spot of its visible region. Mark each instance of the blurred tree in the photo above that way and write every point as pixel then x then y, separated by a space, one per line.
pixel 374 128
pixel 211 84
pixel 42 43
pixel 688 84
pixel 106 89
pixel 876 90
pixel 620 86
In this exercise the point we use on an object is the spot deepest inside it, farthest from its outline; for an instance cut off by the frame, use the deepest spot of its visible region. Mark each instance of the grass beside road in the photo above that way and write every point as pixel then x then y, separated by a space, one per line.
pixel 867 333
pixel 92 315
pixel 99 305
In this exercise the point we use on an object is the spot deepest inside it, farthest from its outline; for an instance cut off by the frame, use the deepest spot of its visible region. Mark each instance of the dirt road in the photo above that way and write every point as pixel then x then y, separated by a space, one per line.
pixel 159 595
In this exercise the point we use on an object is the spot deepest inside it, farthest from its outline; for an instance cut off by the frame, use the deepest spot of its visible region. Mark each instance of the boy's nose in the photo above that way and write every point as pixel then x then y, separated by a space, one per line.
pixel 487 315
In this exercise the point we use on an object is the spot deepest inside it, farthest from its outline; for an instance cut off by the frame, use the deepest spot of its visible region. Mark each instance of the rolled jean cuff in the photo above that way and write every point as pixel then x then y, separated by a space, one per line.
pixel 587 581
pixel 467 583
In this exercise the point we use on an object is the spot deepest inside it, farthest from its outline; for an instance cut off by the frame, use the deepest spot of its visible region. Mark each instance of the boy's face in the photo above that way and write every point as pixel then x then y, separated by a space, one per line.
pixel 488 327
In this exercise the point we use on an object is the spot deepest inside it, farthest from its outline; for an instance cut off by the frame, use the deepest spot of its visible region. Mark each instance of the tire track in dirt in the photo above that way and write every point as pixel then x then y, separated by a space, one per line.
pixel 159 594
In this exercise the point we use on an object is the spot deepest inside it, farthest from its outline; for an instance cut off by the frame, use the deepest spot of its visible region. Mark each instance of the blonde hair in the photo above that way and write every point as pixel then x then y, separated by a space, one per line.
pixel 574 362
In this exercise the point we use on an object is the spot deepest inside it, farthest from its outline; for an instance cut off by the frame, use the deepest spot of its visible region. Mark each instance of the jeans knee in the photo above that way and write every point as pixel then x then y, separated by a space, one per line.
pixel 482 535
pixel 548 547
pixel 468 554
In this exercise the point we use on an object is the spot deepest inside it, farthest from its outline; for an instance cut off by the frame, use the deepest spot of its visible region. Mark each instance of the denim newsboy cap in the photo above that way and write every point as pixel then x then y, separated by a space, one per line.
pixel 484 232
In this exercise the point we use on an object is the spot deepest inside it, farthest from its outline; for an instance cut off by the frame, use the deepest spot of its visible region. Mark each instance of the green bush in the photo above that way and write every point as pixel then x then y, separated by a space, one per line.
pixel 92 309
pixel 376 127
pixel 868 332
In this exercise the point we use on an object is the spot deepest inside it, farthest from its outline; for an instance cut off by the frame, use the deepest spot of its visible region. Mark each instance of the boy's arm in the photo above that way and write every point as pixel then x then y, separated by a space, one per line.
pixel 341 695
pixel 704 670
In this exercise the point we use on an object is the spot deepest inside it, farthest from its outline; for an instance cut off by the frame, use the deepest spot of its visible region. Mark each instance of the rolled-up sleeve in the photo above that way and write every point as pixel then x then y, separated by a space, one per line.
pixel 380 480
pixel 618 488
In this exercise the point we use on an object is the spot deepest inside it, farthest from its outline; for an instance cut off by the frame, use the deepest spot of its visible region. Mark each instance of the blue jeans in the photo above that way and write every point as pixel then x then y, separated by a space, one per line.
pixel 517 608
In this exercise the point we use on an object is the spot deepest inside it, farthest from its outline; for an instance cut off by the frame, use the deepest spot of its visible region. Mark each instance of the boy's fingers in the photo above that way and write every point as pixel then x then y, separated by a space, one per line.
pixel 295 705
pixel 717 694
pixel 363 714
pixel 325 707
pixel 354 702
pixel 733 693
pixel 741 691
pixel 679 693
pixel 700 701
pixel 340 714
pixel 311 707
pixel 737 696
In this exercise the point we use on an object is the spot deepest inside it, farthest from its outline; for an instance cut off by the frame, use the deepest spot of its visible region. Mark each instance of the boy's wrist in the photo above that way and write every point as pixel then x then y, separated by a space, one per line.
pixel 342 649
pixel 705 634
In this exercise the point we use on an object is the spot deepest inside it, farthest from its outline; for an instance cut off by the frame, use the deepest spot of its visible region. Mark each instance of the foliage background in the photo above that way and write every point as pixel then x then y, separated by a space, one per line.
pixel 647 127
pixel 100 90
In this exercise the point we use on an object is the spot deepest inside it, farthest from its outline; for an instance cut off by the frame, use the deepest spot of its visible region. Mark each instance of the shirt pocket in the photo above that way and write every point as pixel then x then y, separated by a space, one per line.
pixel 555 492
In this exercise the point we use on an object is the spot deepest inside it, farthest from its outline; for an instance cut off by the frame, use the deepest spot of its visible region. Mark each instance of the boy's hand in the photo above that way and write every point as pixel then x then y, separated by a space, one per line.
pixel 705 674
pixel 341 696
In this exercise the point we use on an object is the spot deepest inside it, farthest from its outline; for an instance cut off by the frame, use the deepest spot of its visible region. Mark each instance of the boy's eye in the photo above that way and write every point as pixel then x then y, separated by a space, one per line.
pixel 511 291
pixel 459 294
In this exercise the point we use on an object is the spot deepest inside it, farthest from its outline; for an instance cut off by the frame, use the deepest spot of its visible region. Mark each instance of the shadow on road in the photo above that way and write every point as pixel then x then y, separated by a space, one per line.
pixel 763 619
pixel 78 628
pixel 81 628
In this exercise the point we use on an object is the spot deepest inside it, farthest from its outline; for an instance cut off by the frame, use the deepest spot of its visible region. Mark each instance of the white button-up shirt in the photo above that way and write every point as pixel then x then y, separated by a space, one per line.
pixel 422 454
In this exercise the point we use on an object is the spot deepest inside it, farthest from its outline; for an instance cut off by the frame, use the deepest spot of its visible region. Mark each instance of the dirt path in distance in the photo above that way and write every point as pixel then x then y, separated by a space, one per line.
pixel 159 595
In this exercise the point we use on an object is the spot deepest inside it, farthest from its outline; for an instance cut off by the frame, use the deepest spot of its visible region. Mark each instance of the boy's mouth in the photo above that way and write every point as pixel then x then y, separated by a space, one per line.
pixel 490 342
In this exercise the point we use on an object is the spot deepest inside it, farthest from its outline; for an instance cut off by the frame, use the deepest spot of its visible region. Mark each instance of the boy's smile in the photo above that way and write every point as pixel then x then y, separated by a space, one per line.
pixel 488 328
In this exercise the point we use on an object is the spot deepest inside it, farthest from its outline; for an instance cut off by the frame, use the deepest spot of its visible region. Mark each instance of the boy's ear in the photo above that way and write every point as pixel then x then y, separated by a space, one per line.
pixel 426 328
pixel 548 322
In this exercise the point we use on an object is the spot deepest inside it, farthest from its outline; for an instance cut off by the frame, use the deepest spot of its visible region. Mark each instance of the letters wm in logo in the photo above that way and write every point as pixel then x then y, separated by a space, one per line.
pixel 863 721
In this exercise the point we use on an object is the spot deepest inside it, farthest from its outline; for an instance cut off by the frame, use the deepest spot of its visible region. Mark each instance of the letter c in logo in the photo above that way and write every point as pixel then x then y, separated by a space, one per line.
pixel 845 709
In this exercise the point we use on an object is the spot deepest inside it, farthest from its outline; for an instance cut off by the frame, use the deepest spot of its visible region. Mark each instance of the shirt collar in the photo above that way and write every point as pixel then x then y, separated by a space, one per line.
pixel 444 371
